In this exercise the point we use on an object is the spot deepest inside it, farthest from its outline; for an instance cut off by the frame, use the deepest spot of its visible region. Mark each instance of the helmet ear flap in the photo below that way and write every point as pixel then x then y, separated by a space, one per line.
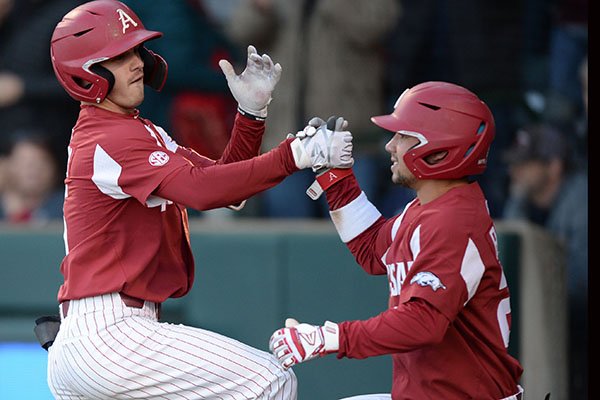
pixel 155 69
pixel 105 74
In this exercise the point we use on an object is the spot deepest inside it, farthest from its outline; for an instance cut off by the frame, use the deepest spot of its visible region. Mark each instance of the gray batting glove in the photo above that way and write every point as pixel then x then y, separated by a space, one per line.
pixel 253 87
pixel 327 145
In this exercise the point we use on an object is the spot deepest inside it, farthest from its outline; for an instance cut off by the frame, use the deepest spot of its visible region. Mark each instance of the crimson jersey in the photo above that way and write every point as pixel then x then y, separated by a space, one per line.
pixel 448 321
pixel 127 187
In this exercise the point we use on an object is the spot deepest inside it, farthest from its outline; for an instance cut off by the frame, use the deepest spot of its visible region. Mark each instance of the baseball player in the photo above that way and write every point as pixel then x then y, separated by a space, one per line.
pixel 448 322
pixel 126 234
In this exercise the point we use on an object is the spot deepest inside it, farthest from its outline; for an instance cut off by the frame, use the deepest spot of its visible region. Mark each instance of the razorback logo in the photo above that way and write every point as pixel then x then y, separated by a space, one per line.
pixel 332 176
pixel 125 19
pixel 428 279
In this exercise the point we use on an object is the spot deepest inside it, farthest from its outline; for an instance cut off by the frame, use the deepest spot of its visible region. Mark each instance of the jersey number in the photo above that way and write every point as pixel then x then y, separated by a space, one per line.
pixel 503 315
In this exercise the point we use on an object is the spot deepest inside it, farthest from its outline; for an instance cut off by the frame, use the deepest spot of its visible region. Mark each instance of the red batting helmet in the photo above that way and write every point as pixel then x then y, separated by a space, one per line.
pixel 95 32
pixel 444 117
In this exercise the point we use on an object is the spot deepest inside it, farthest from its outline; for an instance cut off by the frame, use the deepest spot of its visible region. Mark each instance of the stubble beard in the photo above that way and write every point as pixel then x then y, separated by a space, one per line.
pixel 404 181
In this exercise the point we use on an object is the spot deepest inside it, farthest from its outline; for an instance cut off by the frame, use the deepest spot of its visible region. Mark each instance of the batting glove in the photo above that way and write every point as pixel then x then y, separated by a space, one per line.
pixel 253 87
pixel 327 177
pixel 298 342
pixel 323 147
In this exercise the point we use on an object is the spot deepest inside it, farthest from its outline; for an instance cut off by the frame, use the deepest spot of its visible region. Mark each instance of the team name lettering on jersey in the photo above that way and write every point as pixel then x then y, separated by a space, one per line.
pixel 125 19
pixel 396 273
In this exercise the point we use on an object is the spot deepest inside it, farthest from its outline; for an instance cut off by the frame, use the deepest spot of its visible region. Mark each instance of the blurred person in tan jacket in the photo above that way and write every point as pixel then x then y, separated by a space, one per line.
pixel 332 51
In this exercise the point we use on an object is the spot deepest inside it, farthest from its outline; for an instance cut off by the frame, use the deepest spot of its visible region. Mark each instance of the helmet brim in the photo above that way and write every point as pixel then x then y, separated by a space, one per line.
pixel 388 122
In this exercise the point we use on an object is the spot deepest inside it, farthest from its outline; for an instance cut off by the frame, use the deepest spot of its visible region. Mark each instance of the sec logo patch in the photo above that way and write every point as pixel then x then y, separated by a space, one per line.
pixel 158 158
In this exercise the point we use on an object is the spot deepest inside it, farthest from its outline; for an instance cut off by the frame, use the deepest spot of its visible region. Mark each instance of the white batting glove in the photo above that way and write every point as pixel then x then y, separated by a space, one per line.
pixel 323 147
pixel 253 87
pixel 298 342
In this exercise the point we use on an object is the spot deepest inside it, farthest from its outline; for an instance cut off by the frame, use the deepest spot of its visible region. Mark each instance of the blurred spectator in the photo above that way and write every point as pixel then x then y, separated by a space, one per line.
pixel 567 48
pixel 547 188
pixel 332 59
pixel 583 76
pixel 30 96
pixel 195 105
pixel 476 44
pixel 30 190
pixel 5 8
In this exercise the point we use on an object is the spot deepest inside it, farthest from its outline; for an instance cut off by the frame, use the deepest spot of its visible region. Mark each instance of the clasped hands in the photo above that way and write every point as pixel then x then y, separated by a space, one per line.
pixel 323 145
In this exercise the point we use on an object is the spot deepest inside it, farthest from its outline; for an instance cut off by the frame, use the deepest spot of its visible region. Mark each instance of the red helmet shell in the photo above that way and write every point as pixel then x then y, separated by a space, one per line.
pixel 444 117
pixel 89 34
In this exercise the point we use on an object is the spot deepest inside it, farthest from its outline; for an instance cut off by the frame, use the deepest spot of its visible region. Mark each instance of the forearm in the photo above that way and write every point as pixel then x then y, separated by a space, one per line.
pixel 357 228
pixel 245 142
pixel 411 326
pixel 220 185
pixel 246 138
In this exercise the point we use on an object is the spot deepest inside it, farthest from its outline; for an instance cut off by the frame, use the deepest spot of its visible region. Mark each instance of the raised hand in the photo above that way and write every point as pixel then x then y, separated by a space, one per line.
pixel 253 87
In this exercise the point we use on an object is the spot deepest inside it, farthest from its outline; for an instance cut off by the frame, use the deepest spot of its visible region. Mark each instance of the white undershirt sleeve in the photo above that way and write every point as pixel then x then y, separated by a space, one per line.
pixel 354 218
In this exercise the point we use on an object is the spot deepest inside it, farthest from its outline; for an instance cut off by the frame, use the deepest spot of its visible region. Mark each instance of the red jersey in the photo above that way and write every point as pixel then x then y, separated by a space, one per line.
pixel 448 322
pixel 127 187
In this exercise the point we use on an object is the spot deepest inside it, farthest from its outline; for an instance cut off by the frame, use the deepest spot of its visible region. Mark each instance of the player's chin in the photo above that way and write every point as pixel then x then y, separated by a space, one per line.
pixel 137 99
pixel 402 180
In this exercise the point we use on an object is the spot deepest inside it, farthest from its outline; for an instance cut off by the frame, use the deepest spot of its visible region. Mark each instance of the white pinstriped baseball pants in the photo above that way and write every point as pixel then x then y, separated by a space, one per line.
pixel 106 350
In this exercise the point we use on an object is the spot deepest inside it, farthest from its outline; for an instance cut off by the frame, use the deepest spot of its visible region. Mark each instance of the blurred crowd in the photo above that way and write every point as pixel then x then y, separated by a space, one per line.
pixel 527 59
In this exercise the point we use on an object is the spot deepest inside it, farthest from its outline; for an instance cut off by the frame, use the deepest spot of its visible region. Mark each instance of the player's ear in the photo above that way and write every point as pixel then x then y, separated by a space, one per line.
pixel 435 158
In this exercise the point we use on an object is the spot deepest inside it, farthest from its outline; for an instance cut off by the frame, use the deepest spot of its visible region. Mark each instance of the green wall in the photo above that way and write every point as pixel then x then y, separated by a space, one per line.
pixel 249 278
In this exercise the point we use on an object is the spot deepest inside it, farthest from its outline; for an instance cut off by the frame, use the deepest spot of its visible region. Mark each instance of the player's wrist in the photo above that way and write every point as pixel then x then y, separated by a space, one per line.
pixel 260 115
pixel 331 337
pixel 326 179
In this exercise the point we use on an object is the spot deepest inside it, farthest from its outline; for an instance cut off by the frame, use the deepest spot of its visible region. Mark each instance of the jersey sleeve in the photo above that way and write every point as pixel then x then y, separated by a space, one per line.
pixel 133 162
pixel 446 266
pixel 412 325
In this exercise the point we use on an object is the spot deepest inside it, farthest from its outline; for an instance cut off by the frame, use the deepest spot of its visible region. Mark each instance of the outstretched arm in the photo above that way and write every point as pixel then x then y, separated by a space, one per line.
pixel 412 325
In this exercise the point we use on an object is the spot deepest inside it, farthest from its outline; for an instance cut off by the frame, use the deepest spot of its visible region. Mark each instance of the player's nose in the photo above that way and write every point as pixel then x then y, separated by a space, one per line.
pixel 136 61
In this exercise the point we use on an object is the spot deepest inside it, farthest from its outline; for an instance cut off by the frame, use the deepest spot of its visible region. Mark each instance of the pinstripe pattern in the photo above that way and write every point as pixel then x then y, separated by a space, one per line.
pixel 106 350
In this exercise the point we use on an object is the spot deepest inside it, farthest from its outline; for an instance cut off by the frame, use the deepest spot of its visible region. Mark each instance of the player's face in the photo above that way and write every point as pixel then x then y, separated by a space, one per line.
pixel 397 147
pixel 128 91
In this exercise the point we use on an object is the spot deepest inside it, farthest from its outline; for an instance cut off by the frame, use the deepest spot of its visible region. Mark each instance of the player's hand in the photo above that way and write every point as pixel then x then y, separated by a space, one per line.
pixel 323 145
pixel 253 87
pixel 298 342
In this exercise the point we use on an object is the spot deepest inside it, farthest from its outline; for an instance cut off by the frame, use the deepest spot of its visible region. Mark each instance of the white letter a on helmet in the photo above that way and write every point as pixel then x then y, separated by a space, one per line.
pixel 125 19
